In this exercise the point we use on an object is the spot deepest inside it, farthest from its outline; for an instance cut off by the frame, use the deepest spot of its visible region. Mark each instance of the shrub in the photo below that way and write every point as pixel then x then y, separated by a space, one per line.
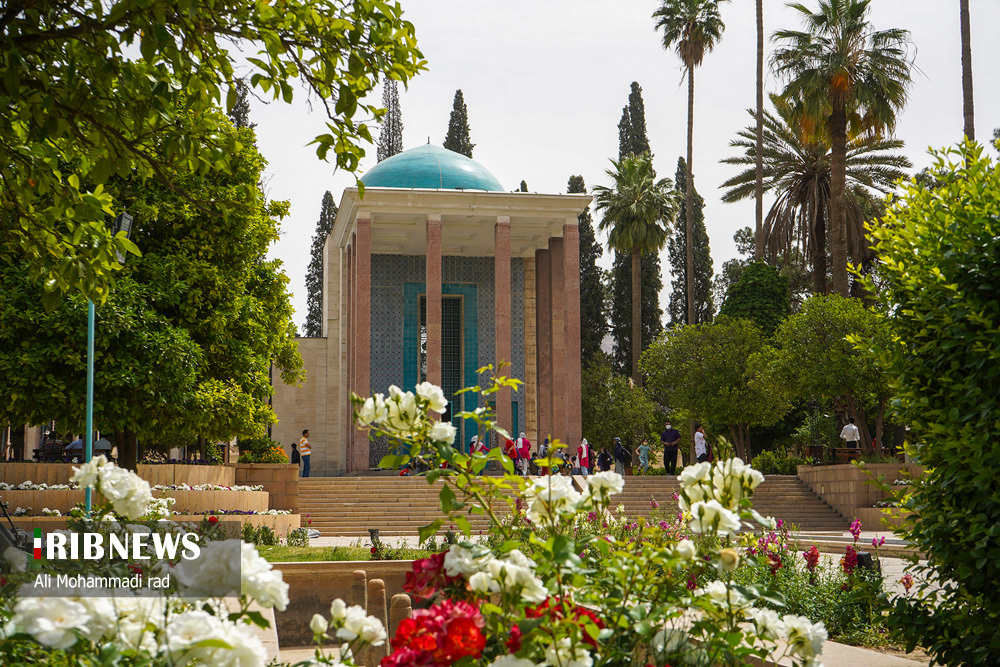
pixel 939 250
pixel 261 450
pixel 775 463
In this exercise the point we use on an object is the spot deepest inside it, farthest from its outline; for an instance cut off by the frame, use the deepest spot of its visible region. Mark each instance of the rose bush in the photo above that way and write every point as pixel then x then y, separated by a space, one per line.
pixel 562 580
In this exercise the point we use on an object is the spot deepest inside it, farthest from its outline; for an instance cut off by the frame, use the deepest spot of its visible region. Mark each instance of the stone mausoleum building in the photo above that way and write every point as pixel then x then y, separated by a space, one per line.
pixel 435 272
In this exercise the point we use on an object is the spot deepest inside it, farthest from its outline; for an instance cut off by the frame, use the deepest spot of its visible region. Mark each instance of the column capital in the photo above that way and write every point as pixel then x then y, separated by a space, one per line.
pixel 433 217
pixel 503 219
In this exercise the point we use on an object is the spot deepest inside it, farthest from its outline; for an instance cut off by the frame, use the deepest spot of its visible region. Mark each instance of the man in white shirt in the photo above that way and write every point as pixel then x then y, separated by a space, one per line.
pixel 851 433
pixel 700 446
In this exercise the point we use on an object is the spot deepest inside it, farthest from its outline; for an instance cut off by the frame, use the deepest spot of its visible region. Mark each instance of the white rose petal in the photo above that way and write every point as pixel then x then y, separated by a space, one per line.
pixel 443 432
pixel 17 559
pixel 318 625
pixel 433 395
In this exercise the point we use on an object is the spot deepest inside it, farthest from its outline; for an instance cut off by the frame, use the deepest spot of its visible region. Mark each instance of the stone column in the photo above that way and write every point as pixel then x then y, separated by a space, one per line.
pixel 348 431
pixel 434 299
pixel 530 354
pixel 362 336
pixel 543 357
pixel 571 326
pixel 501 317
pixel 557 310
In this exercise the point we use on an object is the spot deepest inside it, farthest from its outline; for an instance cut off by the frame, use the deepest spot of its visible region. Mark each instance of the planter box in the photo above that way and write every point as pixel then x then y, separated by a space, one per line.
pixel 169 473
pixel 881 518
pixel 280 480
pixel 280 524
pixel 187 501
pixel 312 586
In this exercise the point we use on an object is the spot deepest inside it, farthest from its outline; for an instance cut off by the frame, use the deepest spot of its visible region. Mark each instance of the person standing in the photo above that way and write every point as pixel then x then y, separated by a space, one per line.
pixel 621 457
pixel 305 451
pixel 523 453
pixel 583 456
pixel 296 459
pixel 643 451
pixel 700 444
pixel 851 433
pixel 604 459
pixel 670 439
pixel 543 453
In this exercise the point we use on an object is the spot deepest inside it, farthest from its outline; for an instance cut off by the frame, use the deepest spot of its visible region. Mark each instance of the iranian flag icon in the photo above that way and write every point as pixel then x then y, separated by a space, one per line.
pixel 38 543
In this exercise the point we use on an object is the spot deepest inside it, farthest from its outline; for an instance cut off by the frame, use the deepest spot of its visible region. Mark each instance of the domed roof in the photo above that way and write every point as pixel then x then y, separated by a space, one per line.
pixel 431 167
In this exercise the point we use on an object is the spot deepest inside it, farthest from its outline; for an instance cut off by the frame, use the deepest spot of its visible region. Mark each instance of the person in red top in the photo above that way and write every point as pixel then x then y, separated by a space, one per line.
pixel 583 456
pixel 523 453
pixel 510 450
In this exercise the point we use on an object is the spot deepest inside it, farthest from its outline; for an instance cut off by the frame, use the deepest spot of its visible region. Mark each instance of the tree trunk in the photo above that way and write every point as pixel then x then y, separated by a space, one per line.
pixel 759 191
pixel 203 447
pixel 856 409
pixel 636 314
pixel 128 449
pixel 819 252
pixel 689 188
pixel 838 198
pixel 967 103
pixel 738 441
pixel 880 427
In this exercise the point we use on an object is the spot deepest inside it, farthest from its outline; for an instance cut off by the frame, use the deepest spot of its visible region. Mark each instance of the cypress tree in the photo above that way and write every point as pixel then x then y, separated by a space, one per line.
pixel 524 186
pixel 390 139
pixel 677 253
pixel 457 138
pixel 314 274
pixel 632 140
pixel 593 322
pixel 240 113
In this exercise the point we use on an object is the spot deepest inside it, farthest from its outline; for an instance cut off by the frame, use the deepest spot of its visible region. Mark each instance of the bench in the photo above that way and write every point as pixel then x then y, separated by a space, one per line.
pixel 847 454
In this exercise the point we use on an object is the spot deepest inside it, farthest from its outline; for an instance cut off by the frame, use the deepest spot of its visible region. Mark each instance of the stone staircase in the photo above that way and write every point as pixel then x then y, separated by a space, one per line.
pixel 781 496
pixel 349 506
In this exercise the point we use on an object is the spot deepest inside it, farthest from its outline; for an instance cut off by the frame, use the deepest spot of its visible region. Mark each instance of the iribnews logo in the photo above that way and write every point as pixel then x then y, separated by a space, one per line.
pixel 130 546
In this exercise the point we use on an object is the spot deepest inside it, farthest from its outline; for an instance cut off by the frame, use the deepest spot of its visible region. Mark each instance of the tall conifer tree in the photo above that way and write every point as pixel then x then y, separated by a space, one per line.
pixel 390 140
pixel 314 274
pixel 457 138
pixel 632 140
pixel 240 113
pixel 593 322
pixel 677 253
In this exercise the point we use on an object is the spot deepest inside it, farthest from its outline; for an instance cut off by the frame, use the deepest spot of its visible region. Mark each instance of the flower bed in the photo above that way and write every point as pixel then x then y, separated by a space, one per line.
pixel 186 501
pixel 14 473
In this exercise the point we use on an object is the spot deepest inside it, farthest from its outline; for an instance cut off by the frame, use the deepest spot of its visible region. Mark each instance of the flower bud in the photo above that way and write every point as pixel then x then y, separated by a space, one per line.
pixel 318 625
pixel 730 559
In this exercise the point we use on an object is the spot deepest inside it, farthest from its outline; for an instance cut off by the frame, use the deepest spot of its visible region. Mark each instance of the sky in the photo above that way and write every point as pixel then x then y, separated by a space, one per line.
pixel 545 82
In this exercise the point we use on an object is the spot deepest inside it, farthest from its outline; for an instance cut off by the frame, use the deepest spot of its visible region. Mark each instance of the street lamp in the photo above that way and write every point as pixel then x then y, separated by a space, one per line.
pixel 122 223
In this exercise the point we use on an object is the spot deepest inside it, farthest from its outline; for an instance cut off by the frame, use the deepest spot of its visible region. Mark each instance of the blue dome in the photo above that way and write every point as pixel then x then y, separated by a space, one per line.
pixel 431 167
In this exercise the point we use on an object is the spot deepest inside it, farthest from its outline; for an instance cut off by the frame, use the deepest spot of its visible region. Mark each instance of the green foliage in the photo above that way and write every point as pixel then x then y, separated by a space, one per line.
pixel 95 91
pixel 390 138
pixel 632 139
pixel 184 344
pixel 940 252
pixel 314 274
pixel 719 372
pixel 774 463
pixel 760 295
pixel 261 535
pixel 457 139
pixel 239 114
pixel 614 407
pixel 593 320
pixel 818 361
pixel 620 306
pixel 261 449
pixel 704 308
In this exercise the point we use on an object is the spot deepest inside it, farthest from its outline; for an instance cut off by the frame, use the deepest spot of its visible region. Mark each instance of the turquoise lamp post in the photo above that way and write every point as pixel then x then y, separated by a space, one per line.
pixel 123 223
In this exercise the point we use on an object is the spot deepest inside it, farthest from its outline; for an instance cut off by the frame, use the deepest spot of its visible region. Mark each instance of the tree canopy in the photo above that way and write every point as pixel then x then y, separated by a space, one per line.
pixel 186 341
pixel 593 320
pixel 704 307
pixel 760 295
pixel 93 91
pixel 457 139
pixel 390 138
pixel 315 281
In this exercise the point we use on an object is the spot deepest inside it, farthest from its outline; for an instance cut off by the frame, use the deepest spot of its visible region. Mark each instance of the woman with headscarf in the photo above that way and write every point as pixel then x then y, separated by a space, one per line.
pixel 523 447
pixel 583 454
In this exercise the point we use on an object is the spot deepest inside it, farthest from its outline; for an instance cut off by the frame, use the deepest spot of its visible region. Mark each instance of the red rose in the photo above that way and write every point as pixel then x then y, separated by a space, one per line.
pixel 213 520
pixel 464 638
pixel 374 550
pixel 514 641
pixel 135 568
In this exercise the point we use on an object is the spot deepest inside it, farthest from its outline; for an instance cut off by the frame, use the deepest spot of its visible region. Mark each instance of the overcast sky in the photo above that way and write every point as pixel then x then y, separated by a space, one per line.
pixel 545 82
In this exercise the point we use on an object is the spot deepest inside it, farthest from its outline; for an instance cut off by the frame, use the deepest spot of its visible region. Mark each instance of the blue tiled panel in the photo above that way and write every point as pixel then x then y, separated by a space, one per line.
pixel 517 336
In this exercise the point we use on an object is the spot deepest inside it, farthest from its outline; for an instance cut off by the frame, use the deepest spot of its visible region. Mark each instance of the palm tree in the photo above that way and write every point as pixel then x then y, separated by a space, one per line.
pixel 796 169
pixel 841 68
pixel 692 28
pixel 637 211
pixel 758 253
pixel 967 106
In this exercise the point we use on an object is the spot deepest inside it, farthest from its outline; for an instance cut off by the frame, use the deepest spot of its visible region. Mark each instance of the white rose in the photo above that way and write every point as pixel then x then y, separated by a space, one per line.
pixel 511 661
pixel 460 561
pixel 116 483
pixel 247 649
pixel 769 624
pixel 608 481
pixel 338 609
pixel 89 473
pixel 186 630
pixel 260 581
pixel 17 559
pixel 482 582
pixel 136 503
pixel 752 478
pixel 443 432
pixel 318 625
pixel 724 595
pixel 217 568
pixel 696 474
pixel 711 516
pixel 564 654
pixel 433 395
pixel 103 616
pixel 805 638
pixel 53 622
pixel 550 497
pixel 366 414
pixel 686 549
pixel 359 625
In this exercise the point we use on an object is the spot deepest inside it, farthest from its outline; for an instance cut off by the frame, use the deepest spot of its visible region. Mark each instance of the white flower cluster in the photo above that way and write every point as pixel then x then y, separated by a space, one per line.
pixel 129 494
pixel 216 566
pixel 350 624
pixel 712 494
pixel 563 653
pixel 159 508
pixel 803 638
pixel 207 487
pixel 553 496
pixel 487 574
pixel 28 485
pixel 402 413
pixel 192 637
pixel 47 512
